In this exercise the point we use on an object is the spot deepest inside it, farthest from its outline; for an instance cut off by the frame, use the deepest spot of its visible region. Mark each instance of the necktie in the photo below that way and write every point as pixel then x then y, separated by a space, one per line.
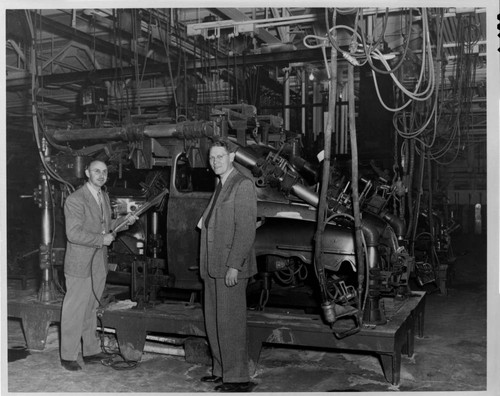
pixel 99 200
pixel 216 195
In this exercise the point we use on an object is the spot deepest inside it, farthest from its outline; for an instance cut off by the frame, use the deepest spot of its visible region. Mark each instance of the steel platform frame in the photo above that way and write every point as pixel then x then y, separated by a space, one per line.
pixel 389 341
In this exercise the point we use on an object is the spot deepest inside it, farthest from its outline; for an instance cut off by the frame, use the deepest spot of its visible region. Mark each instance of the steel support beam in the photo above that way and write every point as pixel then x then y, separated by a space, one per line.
pixel 70 33
pixel 277 59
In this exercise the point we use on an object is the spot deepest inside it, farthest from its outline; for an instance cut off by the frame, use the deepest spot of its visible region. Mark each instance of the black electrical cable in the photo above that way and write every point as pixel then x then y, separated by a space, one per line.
pixel 150 34
pixel 322 207
pixel 418 199
pixel 166 46
pixel 136 30
pixel 355 194
pixel 125 364
pixel 406 45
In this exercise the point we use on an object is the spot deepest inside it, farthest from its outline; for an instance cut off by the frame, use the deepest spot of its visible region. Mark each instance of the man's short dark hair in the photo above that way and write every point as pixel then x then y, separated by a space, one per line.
pixel 92 161
pixel 222 143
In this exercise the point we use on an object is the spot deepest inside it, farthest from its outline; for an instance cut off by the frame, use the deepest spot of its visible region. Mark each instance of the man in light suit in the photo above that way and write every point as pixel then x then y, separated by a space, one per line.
pixel 227 261
pixel 88 224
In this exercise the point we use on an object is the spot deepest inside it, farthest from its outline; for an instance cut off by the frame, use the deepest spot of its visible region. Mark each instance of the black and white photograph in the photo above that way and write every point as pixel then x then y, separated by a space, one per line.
pixel 269 198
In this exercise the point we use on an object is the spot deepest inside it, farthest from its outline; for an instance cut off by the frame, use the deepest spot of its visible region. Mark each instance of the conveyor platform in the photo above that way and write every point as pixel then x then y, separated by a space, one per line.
pixel 389 341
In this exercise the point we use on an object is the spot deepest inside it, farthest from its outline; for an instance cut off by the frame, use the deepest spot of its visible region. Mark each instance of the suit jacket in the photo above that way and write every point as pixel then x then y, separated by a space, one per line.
pixel 84 231
pixel 229 238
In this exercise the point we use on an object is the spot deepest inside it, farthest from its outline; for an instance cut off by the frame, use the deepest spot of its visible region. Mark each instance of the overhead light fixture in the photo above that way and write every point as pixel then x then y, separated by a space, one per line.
pixel 311 76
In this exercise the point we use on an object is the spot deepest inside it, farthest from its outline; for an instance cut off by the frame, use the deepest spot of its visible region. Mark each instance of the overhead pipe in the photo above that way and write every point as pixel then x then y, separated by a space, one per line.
pixel 188 130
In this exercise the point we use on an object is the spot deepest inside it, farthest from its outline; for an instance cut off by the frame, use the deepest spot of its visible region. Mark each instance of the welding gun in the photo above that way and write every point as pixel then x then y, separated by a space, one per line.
pixel 142 209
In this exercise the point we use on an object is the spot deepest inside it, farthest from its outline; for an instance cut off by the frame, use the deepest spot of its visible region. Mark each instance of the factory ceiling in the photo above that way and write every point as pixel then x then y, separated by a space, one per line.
pixel 147 59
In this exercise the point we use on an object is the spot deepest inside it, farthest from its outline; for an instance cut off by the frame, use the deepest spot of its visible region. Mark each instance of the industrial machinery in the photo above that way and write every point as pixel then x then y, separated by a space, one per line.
pixel 169 161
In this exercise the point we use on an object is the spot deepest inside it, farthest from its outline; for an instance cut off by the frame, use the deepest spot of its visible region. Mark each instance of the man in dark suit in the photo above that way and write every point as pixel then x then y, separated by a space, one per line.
pixel 227 261
pixel 88 223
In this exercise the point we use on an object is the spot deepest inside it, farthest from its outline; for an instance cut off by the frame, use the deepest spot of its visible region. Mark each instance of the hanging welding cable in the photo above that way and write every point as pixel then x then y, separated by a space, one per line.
pixel 409 171
pixel 236 77
pixel 94 118
pixel 428 141
pixel 211 76
pixel 148 43
pixel 418 199
pixel 207 76
pixel 331 310
pixel 320 42
pixel 183 84
pixel 49 200
pixel 418 109
pixel 217 73
pixel 41 145
pixel 123 91
pixel 116 88
pixel 253 81
pixel 426 72
pixel 367 46
pixel 135 31
pixel 457 105
pixel 358 234
pixel 355 193
pixel 228 55
pixel 369 49
pixel 399 186
pixel 405 123
pixel 327 306
pixel 166 46
pixel 181 111
pixel 353 56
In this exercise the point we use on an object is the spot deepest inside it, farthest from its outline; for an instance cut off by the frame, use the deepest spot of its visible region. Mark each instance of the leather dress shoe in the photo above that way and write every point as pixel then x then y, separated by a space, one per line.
pixel 95 358
pixel 211 378
pixel 71 365
pixel 235 387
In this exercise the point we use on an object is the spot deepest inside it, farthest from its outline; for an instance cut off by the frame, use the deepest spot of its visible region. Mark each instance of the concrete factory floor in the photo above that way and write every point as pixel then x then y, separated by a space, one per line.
pixel 450 357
